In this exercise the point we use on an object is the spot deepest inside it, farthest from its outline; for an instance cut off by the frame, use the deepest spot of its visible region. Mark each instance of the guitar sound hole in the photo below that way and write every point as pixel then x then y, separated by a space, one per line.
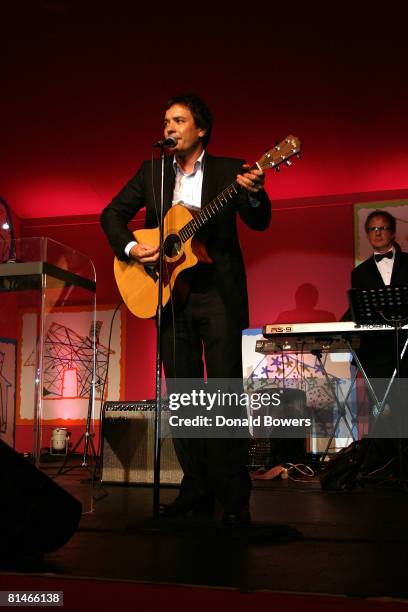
pixel 172 245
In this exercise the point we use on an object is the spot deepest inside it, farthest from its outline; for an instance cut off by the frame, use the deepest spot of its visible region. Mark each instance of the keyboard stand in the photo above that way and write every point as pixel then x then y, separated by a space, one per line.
pixel 341 408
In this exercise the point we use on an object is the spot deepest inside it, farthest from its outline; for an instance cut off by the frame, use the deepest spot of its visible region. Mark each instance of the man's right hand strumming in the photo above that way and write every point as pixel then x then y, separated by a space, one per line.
pixel 144 253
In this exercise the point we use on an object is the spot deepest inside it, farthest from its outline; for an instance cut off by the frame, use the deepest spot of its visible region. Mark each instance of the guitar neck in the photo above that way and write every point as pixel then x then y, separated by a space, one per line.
pixel 211 209
pixel 273 158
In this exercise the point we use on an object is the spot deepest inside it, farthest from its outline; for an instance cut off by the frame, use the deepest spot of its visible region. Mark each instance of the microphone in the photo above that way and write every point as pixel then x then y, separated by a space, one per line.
pixel 171 141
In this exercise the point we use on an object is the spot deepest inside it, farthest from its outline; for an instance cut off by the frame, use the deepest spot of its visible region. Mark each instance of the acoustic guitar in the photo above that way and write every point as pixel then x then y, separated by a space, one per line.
pixel 138 284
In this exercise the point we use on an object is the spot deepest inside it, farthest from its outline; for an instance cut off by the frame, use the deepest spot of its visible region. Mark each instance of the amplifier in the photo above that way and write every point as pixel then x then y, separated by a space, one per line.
pixel 128 445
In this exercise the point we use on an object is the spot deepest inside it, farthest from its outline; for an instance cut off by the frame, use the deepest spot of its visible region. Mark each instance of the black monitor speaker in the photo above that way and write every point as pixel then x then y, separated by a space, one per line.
pixel 36 514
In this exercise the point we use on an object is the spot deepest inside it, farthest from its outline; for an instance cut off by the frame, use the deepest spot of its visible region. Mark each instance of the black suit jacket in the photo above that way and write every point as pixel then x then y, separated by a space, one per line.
pixel 377 351
pixel 220 234
pixel 367 276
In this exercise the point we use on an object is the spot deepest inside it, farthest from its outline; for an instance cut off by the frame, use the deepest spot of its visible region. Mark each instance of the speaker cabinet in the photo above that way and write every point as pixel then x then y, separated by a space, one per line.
pixel 128 445
pixel 36 515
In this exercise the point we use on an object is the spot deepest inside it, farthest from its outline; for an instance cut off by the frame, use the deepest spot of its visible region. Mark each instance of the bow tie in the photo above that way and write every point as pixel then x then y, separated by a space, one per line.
pixel 387 255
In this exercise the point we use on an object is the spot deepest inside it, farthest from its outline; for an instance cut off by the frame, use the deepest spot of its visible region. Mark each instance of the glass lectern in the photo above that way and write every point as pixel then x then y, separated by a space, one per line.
pixel 48 298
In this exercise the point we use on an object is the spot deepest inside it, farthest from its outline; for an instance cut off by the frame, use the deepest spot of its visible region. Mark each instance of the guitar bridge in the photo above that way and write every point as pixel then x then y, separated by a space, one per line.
pixel 152 272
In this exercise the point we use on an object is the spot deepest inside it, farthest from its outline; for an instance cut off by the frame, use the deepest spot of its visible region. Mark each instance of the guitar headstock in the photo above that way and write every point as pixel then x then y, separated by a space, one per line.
pixel 280 154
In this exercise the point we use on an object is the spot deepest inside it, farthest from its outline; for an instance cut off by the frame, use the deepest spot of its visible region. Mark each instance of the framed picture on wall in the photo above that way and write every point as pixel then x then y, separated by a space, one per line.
pixel 397 208
pixel 8 355
pixel 68 359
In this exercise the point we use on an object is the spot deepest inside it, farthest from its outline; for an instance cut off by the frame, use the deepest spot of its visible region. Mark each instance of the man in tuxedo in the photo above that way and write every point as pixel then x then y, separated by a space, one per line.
pixel 211 319
pixel 387 266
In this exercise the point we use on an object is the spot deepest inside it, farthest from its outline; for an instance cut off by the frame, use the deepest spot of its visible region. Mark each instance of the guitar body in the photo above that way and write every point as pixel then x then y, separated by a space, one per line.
pixel 138 284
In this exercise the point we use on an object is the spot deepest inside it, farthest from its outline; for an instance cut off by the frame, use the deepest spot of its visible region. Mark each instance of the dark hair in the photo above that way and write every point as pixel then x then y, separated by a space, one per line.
pixel 201 113
pixel 391 220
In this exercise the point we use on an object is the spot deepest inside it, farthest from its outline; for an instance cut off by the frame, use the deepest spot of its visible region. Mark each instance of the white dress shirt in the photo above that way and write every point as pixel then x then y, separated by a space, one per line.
pixel 188 186
pixel 385 267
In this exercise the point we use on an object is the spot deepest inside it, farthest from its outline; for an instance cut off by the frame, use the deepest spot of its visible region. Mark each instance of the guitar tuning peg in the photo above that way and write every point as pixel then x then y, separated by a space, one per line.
pixel 277 168
pixel 299 155
pixel 288 162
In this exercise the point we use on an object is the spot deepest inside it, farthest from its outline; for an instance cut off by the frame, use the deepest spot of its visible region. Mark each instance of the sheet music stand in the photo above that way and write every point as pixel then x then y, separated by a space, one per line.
pixel 381 305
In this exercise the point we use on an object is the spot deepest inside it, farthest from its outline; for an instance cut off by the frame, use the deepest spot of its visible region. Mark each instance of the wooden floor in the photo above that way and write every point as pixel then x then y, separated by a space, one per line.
pixel 303 539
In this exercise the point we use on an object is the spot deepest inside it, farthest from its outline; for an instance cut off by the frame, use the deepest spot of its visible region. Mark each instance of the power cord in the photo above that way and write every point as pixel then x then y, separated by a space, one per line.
pixel 284 471
pixel 299 468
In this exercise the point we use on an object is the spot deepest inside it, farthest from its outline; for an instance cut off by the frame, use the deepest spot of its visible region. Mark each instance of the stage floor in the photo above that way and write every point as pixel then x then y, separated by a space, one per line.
pixel 303 539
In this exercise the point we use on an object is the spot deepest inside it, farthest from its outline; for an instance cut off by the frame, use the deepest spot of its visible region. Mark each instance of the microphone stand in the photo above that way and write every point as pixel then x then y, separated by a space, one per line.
pixel 157 416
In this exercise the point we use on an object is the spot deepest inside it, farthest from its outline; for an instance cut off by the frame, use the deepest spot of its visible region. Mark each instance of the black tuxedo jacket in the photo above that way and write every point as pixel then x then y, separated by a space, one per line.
pixel 220 234
pixel 367 276
pixel 377 351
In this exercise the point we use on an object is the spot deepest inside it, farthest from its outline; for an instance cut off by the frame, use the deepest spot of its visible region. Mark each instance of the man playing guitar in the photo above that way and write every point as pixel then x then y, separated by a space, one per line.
pixel 208 323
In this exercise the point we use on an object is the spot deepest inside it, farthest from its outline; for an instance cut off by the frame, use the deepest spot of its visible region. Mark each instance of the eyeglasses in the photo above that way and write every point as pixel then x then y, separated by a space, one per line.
pixel 379 228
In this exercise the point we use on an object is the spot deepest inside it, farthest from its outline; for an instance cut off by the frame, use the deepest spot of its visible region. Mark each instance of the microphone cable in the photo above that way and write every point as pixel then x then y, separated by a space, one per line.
pixel 99 455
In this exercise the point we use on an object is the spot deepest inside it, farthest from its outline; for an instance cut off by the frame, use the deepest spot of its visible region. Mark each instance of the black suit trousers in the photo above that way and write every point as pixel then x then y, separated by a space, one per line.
pixel 204 328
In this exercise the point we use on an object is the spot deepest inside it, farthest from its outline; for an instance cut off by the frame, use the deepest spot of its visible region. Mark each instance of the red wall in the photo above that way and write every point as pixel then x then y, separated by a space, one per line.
pixel 85 85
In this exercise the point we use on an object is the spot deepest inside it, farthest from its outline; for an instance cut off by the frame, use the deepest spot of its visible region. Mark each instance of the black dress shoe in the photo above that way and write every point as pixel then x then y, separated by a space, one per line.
pixel 174 509
pixel 203 505
pixel 231 520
